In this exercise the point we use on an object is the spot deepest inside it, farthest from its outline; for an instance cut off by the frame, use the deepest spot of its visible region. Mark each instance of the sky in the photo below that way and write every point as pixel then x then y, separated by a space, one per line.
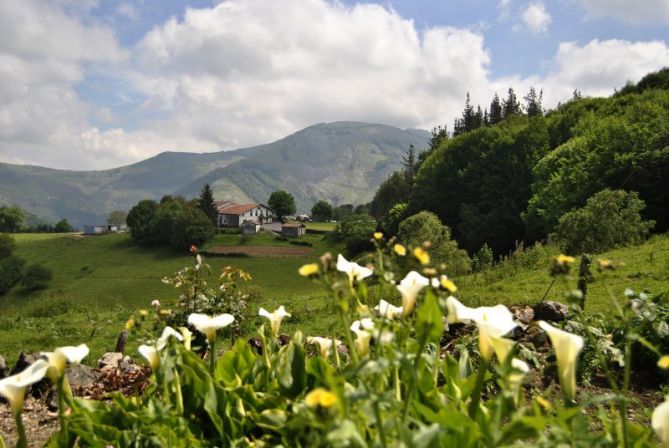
pixel 97 84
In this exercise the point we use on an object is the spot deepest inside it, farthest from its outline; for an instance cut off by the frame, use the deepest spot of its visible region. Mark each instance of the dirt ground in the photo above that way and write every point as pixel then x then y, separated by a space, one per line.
pixel 39 422
pixel 262 251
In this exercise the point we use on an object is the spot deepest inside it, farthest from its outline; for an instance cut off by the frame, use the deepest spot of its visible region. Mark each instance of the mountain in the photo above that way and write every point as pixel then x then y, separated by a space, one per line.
pixel 342 162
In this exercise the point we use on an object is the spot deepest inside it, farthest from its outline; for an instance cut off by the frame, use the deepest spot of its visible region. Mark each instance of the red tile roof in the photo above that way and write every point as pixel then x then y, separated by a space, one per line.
pixel 236 209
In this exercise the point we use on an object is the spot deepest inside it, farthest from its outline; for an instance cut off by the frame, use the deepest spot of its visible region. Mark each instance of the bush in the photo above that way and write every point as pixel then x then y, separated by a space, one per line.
pixel 189 227
pixel 7 245
pixel 36 276
pixel 482 259
pixel 356 232
pixel 10 272
pixel 425 226
pixel 609 219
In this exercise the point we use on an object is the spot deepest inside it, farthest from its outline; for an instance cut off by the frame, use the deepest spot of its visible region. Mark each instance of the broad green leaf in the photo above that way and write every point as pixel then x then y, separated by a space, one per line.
pixel 429 325
pixel 292 371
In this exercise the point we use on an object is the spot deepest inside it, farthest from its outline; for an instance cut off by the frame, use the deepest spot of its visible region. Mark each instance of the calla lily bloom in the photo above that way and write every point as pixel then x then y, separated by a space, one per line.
pixel 354 270
pixel 151 354
pixel 13 388
pixel 363 330
pixel 409 288
pixel 660 421
pixel 168 332
pixel 493 322
pixel 209 325
pixel 275 318
pixel 188 337
pixel 388 310
pixel 325 344
pixel 567 347
pixel 59 358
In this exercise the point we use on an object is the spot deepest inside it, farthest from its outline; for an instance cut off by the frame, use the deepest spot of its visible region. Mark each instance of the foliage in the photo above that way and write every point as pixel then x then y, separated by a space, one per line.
pixel 207 204
pixel 36 276
pixel 11 268
pixel 7 245
pixel 392 191
pixel 190 227
pixel 11 219
pixel 425 226
pixel 391 221
pixel 322 211
pixel 482 259
pixel 355 231
pixel 63 226
pixel 117 218
pixel 283 203
pixel 608 219
pixel 140 220
pixel 342 211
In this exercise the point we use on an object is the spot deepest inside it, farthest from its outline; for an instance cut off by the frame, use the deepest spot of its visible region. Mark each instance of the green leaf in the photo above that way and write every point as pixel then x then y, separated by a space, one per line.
pixel 429 325
pixel 273 419
pixel 426 436
pixel 346 435
pixel 292 370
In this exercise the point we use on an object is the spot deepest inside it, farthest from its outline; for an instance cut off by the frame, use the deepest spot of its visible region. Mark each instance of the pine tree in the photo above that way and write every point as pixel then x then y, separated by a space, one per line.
pixel 410 165
pixel 495 115
pixel 511 105
pixel 207 204
pixel 479 118
pixel 533 103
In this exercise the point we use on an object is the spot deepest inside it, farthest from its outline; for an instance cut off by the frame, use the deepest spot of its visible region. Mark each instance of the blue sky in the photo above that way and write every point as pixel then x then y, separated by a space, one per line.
pixel 97 84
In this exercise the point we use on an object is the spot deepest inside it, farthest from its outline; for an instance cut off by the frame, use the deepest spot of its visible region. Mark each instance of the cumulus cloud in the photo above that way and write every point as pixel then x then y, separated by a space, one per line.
pixel 636 12
pixel 536 18
pixel 248 72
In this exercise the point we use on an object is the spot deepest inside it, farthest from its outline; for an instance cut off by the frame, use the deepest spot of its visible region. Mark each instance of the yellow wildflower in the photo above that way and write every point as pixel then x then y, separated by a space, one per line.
pixel 400 250
pixel 448 284
pixel 564 259
pixel 130 324
pixel 143 313
pixel 663 362
pixel 309 269
pixel 421 255
pixel 320 397
pixel 544 403
pixel 378 236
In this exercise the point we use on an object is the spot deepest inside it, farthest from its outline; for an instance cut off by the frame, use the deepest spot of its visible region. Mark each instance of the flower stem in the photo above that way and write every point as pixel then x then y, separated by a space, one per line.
pixel 212 355
pixel 478 387
pixel 379 423
pixel 412 385
pixel 21 430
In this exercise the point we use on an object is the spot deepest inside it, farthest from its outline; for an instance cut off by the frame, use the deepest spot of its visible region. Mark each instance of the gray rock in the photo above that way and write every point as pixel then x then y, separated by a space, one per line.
pixel 82 377
pixel 25 360
pixel 113 360
pixel 524 315
pixel 551 311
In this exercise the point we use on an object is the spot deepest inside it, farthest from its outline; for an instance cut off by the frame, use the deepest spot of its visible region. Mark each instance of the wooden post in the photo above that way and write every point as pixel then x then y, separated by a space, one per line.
pixel 584 277
pixel 121 341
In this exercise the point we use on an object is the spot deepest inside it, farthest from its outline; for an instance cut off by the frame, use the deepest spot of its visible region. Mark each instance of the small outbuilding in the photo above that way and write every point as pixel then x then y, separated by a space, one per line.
pixel 250 227
pixel 293 229
pixel 95 230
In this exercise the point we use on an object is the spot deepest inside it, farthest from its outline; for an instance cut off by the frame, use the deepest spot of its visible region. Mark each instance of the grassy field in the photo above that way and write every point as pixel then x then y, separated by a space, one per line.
pixel 100 281
pixel 323 226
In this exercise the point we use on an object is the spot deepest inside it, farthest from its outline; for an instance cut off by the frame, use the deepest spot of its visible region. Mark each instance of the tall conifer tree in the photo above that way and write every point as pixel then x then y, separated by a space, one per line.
pixel 207 204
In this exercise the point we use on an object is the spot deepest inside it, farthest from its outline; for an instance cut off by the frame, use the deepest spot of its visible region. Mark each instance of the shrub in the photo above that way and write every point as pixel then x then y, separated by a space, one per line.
pixel 36 276
pixel 425 226
pixel 7 245
pixel 63 226
pixel 356 232
pixel 189 227
pixel 609 219
pixel 10 272
pixel 482 259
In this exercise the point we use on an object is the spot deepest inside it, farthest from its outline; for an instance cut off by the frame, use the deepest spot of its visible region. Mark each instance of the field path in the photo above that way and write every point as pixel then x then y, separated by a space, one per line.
pixel 262 251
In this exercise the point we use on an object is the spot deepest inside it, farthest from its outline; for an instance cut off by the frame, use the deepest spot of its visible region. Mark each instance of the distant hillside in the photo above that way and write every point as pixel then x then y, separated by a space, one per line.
pixel 342 162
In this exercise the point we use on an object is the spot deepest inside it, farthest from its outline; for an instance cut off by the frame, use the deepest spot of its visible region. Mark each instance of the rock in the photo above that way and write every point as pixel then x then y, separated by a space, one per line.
pixel 25 360
pixel 551 311
pixel 114 360
pixel 82 377
pixel 3 367
pixel 536 336
pixel 121 341
pixel 523 314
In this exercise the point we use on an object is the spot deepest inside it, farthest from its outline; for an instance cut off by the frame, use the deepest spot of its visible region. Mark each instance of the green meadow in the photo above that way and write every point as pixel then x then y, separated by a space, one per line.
pixel 101 281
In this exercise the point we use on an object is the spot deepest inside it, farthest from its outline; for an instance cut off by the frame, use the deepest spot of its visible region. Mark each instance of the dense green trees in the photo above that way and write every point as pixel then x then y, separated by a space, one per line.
pixel 173 221
pixel 355 231
pixel 283 203
pixel 117 218
pixel 207 204
pixel 322 211
pixel 11 266
pixel 11 219
pixel 63 226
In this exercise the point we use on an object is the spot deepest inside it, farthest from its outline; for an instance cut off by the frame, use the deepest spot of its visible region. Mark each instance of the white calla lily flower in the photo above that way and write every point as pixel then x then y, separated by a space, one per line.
pixel 275 318
pixel 660 421
pixel 409 288
pixel 188 337
pixel 567 346
pixel 354 271
pixel 59 358
pixel 388 310
pixel 13 388
pixel 493 322
pixel 151 354
pixel 324 344
pixel 363 330
pixel 209 325
pixel 168 332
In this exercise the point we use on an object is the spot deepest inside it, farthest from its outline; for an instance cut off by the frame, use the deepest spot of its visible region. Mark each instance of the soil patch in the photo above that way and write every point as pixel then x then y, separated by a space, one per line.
pixel 262 251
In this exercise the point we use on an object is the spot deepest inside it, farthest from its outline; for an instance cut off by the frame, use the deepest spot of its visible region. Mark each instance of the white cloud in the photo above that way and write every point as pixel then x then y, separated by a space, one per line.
pixel 128 10
pixel 536 18
pixel 635 12
pixel 248 72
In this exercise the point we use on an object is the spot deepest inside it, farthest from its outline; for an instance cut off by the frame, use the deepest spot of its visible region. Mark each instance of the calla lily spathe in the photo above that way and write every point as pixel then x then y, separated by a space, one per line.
pixel 363 330
pixel 354 271
pixel 567 347
pixel 660 421
pixel 388 310
pixel 59 358
pixel 493 322
pixel 151 354
pixel 324 344
pixel 168 332
pixel 209 325
pixel 275 318
pixel 13 388
pixel 409 288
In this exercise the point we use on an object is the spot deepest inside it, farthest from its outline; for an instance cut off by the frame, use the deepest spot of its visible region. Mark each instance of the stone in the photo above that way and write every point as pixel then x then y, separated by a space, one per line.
pixel 115 360
pixel 524 314
pixel 551 311
pixel 25 360
pixel 82 377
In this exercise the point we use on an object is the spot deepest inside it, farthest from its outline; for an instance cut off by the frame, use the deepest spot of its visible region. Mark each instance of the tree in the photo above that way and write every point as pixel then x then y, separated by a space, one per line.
pixel 190 227
pixel 511 106
pixel 609 219
pixel 392 191
pixel 533 106
pixel 426 226
pixel 322 211
pixel 495 115
pixel 36 276
pixel 342 211
pixel 392 219
pixel 11 219
pixel 140 219
pixel 283 203
pixel 63 226
pixel 117 218
pixel 11 268
pixel 7 245
pixel 207 204
pixel 356 232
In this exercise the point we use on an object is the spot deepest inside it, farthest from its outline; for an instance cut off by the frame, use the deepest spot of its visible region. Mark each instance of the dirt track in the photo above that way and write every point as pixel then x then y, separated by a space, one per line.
pixel 262 251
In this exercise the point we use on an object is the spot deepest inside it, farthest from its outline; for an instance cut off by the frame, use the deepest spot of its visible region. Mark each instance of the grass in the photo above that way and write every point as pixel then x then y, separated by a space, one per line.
pixel 323 226
pixel 100 281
